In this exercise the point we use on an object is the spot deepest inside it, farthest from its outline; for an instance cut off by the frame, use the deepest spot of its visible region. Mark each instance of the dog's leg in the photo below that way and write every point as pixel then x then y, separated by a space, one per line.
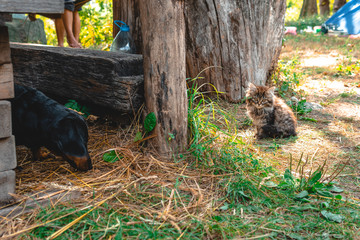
pixel 40 155
pixel 35 153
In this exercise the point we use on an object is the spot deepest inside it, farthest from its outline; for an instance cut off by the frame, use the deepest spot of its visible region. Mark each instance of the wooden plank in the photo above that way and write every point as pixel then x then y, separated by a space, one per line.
pixel 5 120
pixel 6 81
pixel 108 80
pixel 36 200
pixel 5 56
pixel 32 6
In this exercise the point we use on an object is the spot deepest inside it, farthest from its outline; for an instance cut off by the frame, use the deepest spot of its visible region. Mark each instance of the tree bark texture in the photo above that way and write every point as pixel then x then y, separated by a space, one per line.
pixel 240 39
pixel 105 80
pixel 324 6
pixel 128 11
pixel 309 8
pixel 338 4
pixel 163 33
pixel 236 41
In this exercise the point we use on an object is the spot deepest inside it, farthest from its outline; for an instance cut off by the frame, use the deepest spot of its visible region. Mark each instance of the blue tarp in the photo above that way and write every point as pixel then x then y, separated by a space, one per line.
pixel 347 18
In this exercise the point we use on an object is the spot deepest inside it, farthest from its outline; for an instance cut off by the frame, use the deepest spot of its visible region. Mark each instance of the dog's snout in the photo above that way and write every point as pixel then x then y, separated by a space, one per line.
pixel 82 163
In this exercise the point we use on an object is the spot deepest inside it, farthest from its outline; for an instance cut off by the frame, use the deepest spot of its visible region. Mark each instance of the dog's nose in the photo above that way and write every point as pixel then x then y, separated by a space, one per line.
pixel 81 163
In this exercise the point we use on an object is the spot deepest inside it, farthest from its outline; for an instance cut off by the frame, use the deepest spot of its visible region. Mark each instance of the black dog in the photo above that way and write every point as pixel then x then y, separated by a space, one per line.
pixel 40 121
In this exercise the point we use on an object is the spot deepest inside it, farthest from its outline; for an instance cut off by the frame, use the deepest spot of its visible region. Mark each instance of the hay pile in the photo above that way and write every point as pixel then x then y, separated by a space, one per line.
pixel 128 184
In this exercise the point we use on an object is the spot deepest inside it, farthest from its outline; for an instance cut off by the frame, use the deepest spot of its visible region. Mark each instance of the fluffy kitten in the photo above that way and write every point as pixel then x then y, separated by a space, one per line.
pixel 270 114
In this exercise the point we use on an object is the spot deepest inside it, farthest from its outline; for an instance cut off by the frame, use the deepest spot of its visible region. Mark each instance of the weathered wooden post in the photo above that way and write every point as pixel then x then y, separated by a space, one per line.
pixel 7 141
pixel 163 34
pixel 240 40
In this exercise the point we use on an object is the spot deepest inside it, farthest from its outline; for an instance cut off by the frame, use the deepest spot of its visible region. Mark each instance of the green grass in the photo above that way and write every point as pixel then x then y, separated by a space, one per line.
pixel 246 197
pixel 253 200
pixel 302 23
pixel 323 43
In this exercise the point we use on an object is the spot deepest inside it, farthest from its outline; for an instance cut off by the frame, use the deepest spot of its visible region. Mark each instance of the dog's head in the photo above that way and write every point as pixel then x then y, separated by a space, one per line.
pixel 71 137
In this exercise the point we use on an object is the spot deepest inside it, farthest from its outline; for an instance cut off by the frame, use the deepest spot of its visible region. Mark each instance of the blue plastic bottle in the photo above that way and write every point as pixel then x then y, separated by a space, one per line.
pixel 123 41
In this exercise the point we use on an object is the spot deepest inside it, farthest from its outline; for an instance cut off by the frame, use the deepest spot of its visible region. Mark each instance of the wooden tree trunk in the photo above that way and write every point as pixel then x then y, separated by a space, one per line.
pixel 163 33
pixel 324 6
pixel 338 4
pixel 308 8
pixel 241 39
pixel 104 81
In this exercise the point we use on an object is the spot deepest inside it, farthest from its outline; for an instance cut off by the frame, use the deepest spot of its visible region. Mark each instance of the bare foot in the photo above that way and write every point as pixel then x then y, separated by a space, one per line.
pixel 73 43
pixel 76 45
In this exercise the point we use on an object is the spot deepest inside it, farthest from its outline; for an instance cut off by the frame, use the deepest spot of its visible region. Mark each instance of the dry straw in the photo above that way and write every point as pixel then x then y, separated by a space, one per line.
pixel 138 170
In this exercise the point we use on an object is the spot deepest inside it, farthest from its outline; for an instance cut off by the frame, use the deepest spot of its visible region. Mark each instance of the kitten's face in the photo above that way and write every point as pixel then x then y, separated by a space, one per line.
pixel 260 97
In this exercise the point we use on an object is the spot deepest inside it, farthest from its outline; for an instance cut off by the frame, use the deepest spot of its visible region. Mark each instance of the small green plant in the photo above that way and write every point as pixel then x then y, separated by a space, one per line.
pixel 149 125
pixel 286 78
pixel 111 156
pixel 315 183
pixel 246 122
pixel 274 146
pixel 348 94
pixel 206 121
pixel 348 70
pixel 311 185
pixel 300 108
pixel 308 119
pixel 84 110
pixel 150 122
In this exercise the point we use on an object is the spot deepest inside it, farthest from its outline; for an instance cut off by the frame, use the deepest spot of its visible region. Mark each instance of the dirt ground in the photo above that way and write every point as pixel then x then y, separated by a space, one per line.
pixel 332 137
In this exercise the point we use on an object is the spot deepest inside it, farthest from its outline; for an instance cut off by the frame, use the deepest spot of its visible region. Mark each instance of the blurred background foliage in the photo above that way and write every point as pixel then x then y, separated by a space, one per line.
pixel 293 9
pixel 96 26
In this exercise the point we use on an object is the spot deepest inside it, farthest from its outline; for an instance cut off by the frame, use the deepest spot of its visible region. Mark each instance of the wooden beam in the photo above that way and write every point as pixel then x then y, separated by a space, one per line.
pixel 107 80
pixel 37 200
pixel 163 34
pixel 32 6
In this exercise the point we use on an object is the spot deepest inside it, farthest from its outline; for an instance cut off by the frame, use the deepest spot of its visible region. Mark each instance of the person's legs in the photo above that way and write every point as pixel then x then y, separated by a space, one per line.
pixel 68 19
pixel 60 31
pixel 76 26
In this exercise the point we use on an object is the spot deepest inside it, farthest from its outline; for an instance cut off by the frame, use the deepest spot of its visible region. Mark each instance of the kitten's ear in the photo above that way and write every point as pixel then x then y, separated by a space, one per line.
pixel 272 90
pixel 252 87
